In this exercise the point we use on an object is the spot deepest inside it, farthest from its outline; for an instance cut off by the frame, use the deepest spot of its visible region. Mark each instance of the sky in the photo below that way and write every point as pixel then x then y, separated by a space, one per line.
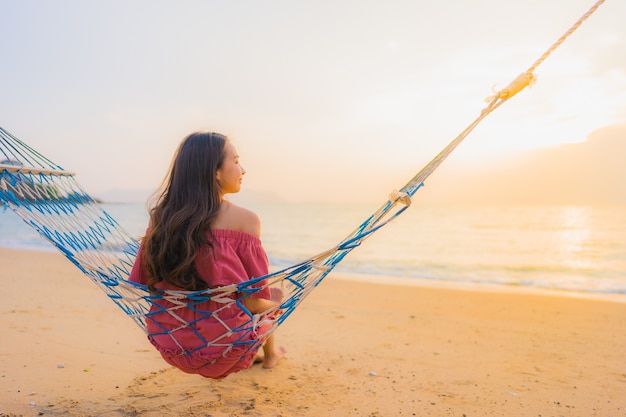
pixel 325 100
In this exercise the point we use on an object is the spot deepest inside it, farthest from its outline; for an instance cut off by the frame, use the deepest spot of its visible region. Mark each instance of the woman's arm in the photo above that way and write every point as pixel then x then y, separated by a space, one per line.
pixel 259 305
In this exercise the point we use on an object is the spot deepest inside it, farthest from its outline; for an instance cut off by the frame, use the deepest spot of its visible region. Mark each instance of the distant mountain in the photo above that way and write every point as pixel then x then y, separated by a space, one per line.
pixel 124 196
pixel 141 196
pixel 248 196
pixel 590 172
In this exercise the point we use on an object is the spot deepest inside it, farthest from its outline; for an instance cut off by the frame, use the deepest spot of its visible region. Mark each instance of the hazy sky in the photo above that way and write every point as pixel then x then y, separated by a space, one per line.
pixel 324 99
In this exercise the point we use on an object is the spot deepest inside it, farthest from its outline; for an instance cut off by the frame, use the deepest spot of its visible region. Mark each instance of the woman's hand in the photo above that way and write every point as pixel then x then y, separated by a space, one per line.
pixel 277 295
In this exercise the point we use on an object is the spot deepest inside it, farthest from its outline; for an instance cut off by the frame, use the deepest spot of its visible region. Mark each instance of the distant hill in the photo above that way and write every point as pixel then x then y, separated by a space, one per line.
pixel 591 172
pixel 124 196
pixel 141 196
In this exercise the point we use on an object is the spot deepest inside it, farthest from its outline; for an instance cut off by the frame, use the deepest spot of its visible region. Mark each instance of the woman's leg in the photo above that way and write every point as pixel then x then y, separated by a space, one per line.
pixel 271 353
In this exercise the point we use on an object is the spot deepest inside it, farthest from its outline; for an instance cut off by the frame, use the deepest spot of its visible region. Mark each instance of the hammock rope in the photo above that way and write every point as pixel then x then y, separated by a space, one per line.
pixel 563 37
pixel 49 199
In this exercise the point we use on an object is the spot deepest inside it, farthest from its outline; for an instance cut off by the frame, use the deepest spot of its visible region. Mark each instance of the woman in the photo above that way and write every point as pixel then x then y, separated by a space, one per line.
pixel 198 240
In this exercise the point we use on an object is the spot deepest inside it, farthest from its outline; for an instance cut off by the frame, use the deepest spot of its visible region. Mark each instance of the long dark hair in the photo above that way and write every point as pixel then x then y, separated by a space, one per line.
pixel 187 203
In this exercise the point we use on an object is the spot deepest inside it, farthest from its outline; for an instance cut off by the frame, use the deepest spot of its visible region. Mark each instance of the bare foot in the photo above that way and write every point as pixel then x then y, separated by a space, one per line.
pixel 259 357
pixel 271 360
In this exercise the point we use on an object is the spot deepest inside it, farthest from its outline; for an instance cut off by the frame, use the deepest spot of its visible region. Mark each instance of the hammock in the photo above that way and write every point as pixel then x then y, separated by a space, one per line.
pixel 48 198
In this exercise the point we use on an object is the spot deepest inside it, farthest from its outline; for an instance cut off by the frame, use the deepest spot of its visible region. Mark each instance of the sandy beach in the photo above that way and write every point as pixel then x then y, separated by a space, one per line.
pixel 354 349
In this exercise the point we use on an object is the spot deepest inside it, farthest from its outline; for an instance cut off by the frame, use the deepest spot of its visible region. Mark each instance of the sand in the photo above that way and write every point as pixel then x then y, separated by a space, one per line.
pixel 354 349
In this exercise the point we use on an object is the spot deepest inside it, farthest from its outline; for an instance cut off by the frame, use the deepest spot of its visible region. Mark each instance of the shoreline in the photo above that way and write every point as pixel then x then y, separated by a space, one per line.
pixel 478 287
pixel 387 279
pixel 354 348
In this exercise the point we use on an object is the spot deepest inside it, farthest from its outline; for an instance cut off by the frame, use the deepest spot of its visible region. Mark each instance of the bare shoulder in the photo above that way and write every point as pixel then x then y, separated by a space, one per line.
pixel 249 221
pixel 239 218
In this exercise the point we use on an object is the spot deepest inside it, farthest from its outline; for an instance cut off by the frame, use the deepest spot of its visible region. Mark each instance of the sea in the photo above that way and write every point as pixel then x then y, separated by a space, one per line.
pixel 566 249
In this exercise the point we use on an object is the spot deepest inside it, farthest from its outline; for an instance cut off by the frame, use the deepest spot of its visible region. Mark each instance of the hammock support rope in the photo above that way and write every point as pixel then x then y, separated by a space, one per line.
pixel 49 199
